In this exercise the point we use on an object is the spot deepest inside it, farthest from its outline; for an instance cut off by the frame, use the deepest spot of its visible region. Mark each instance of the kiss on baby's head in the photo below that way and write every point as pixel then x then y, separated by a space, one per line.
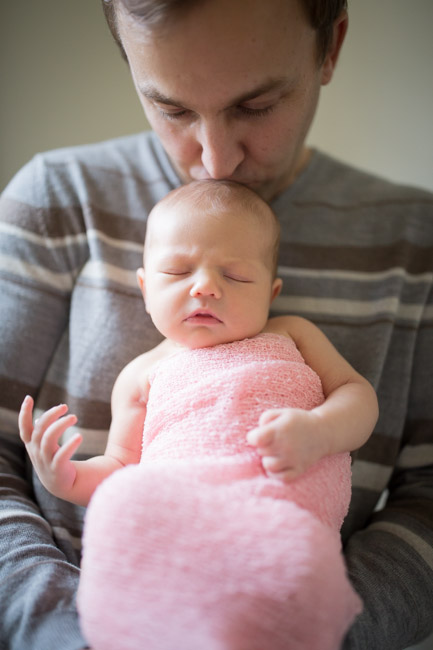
pixel 210 259
pixel 219 200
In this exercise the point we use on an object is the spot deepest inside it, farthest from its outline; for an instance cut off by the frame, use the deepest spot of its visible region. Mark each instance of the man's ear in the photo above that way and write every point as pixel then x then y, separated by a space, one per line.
pixel 338 36
pixel 276 288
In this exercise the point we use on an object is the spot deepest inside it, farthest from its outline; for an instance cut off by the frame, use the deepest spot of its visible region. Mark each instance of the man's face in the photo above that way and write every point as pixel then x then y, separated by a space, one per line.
pixel 231 89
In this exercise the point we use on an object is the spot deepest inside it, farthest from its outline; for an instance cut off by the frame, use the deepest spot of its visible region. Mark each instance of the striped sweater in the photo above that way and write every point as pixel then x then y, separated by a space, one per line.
pixel 356 258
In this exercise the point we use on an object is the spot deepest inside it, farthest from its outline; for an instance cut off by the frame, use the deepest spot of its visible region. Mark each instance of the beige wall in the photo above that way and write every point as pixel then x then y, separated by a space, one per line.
pixel 63 82
pixel 378 110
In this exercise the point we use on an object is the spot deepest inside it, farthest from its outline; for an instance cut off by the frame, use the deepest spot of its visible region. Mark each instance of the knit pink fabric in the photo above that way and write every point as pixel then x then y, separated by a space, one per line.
pixel 195 547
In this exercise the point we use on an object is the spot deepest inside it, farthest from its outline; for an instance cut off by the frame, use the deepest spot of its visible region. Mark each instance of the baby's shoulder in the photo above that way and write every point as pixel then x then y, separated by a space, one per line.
pixel 289 326
pixel 134 378
pixel 145 363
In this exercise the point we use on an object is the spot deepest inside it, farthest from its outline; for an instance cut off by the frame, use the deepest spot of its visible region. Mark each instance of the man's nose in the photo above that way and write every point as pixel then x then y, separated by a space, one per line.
pixel 221 149
pixel 205 284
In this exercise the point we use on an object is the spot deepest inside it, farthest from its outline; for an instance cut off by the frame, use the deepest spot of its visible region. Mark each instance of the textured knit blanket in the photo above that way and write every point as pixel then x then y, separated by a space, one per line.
pixel 196 547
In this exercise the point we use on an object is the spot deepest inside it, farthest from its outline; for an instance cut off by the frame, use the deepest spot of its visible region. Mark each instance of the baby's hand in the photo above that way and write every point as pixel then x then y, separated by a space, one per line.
pixel 289 441
pixel 51 461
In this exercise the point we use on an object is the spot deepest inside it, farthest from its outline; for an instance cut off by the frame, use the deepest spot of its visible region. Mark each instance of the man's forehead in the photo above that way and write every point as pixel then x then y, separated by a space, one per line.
pixel 228 54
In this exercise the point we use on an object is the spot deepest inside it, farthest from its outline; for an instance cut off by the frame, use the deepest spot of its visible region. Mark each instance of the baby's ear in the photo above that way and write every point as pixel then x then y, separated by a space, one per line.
pixel 141 282
pixel 276 288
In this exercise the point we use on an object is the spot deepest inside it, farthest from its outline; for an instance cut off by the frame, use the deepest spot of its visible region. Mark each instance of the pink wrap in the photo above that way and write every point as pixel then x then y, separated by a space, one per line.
pixel 195 548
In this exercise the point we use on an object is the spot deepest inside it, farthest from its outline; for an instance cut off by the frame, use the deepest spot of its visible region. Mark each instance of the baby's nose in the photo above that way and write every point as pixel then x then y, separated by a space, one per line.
pixel 205 284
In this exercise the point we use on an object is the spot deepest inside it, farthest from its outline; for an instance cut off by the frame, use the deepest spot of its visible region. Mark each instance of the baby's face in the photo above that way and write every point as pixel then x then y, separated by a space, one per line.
pixel 208 277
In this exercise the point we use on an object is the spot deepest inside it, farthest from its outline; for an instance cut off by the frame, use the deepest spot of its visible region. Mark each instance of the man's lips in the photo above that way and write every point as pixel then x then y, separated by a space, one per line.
pixel 198 173
pixel 202 317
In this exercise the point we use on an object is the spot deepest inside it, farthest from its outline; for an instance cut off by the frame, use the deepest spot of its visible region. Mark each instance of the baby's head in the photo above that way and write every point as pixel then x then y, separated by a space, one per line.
pixel 210 262
pixel 225 200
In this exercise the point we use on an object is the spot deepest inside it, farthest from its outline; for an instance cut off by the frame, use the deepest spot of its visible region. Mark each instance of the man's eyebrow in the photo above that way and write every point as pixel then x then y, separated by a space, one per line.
pixel 271 85
pixel 154 95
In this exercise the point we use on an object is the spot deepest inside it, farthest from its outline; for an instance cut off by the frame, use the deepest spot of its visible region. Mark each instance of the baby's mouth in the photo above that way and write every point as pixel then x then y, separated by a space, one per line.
pixel 204 317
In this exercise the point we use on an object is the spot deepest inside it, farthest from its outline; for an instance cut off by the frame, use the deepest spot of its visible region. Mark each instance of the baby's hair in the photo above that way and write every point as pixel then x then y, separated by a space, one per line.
pixel 212 195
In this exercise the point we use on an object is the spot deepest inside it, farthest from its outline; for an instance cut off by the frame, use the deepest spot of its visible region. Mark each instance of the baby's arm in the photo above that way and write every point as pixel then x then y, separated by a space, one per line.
pixel 290 440
pixel 76 481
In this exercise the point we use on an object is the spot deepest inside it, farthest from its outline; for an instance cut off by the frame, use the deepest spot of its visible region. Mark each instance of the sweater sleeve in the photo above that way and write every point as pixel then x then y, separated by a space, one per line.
pixel 391 562
pixel 37 582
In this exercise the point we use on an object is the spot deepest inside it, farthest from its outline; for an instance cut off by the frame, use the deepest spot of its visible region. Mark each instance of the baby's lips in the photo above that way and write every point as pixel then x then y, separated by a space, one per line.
pixel 204 315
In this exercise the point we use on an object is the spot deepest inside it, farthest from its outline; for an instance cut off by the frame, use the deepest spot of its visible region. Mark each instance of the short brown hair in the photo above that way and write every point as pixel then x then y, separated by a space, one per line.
pixel 321 14
pixel 213 195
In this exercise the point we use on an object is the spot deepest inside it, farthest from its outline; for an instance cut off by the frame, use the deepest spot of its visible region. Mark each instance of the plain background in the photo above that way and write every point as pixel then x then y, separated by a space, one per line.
pixel 64 83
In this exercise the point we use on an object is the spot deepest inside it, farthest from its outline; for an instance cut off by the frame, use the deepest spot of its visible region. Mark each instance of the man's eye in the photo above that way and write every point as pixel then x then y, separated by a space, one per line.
pixel 172 113
pixel 255 112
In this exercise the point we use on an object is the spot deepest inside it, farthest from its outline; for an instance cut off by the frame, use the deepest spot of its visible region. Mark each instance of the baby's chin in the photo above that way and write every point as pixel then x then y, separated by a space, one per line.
pixel 205 340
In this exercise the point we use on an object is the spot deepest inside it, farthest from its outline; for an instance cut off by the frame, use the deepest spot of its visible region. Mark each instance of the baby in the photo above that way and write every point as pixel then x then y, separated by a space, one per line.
pixel 236 422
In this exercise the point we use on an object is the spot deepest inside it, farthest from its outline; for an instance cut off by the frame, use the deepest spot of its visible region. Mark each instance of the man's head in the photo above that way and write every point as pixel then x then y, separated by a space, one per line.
pixel 209 265
pixel 321 14
pixel 231 86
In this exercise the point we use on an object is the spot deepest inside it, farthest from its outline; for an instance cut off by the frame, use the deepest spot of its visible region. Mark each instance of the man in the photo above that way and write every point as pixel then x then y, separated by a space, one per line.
pixel 230 88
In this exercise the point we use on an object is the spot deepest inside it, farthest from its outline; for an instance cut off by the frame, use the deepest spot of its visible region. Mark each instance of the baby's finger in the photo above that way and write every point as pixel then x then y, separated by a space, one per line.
pixel 286 476
pixel 260 437
pixel 67 450
pixel 265 451
pixel 268 416
pixel 274 465
pixel 50 440
pixel 46 420
pixel 25 419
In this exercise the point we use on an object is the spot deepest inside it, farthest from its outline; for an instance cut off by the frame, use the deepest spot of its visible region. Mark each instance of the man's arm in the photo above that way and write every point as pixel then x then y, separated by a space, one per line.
pixel 37 581
pixel 390 565
pixel 390 562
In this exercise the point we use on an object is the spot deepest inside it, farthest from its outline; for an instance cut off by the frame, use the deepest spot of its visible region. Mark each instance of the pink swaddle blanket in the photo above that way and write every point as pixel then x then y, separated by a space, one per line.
pixel 196 548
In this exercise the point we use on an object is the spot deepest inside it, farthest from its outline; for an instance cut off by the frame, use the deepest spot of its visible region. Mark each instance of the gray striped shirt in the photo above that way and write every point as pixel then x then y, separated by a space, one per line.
pixel 356 258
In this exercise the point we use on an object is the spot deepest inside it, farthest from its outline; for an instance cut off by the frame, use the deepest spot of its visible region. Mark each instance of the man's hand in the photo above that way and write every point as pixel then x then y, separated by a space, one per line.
pixel 52 462
pixel 289 441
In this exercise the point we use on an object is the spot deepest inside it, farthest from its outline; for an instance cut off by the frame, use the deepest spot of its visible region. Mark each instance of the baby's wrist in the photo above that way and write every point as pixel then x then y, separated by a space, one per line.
pixel 324 439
